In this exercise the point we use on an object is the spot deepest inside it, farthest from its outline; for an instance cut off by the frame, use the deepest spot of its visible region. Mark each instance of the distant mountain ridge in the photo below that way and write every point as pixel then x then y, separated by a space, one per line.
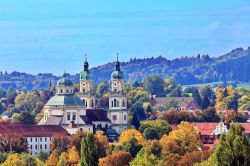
pixel 233 66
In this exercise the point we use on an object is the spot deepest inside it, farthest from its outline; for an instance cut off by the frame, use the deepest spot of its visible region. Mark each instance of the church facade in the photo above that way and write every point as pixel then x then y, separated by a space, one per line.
pixel 75 113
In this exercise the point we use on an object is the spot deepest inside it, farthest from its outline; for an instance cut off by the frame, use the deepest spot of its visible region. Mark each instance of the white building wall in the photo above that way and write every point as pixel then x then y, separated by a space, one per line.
pixel 37 144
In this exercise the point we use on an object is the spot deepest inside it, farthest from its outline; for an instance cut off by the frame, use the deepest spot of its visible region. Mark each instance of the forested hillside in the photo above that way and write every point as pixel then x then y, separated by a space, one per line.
pixel 233 66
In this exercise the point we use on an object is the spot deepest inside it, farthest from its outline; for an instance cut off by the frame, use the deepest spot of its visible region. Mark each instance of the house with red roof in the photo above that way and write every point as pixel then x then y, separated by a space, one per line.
pixel 210 131
pixel 38 137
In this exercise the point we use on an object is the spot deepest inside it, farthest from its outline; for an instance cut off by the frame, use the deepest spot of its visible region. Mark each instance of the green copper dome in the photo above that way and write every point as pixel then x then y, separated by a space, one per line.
pixel 65 82
pixel 117 75
pixel 65 100
pixel 85 75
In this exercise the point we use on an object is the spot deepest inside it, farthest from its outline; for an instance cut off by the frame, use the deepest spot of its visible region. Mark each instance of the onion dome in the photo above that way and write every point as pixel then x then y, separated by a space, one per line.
pixel 85 74
pixel 117 74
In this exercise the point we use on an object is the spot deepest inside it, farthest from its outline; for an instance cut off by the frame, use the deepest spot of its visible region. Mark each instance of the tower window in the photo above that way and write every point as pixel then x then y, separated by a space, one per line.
pixel 114 117
pixel 123 103
pixel 115 103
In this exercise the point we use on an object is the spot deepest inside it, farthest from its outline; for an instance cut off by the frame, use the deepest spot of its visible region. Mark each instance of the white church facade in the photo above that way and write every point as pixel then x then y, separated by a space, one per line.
pixel 75 113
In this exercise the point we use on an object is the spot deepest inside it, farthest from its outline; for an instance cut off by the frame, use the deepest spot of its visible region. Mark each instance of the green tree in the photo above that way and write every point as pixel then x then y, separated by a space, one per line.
pixel 231 102
pixel 132 146
pixel 63 159
pixel 89 155
pixel 154 84
pixel 233 148
pixel 135 121
pixel 197 97
pixel 2 93
pixel 11 95
pixel 43 156
pixel 26 118
pixel 102 88
pixel 145 159
pixel 158 126
pixel 151 133
pixel 205 102
pixel 210 115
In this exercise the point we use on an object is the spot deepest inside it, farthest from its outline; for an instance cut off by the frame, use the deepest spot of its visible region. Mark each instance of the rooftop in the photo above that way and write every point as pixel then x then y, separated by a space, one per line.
pixel 32 130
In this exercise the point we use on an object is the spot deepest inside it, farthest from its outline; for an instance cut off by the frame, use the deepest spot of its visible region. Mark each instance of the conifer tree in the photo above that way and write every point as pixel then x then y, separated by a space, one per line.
pixel 89 151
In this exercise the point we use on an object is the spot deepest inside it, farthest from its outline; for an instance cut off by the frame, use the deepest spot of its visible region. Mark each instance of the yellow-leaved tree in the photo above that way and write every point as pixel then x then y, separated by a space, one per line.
pixel 128 134
pixel 73 155
pixel 13 160
pixel 52 160
pixel 181 141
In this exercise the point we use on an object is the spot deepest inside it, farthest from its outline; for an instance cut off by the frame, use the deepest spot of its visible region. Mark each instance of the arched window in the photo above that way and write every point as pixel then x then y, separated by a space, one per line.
pixel 123 103
pixel 115 103
pixel 68 116
pixel 46 116
pixel 74 117
pixel 61 91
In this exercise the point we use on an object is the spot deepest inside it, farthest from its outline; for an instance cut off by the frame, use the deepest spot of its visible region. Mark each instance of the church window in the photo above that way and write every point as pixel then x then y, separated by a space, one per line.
pixel 117 103
pixel 92 103
pixel 74 116
pixel 68 116
pixel 67 91
pixel 114 117
pixel 123 103
pixel 61 91
pixel 112 103
pixel 125 117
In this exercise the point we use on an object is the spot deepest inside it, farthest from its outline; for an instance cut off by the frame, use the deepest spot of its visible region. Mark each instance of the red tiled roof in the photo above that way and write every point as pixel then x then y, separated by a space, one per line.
pixel 205 128
pixel 32 130
pixel 246 126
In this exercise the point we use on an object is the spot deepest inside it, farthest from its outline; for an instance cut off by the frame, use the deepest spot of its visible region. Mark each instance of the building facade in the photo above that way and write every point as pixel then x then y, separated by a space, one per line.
pixel 118 112
pixel 86 87
pixel 38 137
pixel 75 113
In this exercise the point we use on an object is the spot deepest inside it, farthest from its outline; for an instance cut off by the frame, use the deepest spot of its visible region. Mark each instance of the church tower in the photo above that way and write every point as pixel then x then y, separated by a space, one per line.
pixel 86 86
pixel 118 112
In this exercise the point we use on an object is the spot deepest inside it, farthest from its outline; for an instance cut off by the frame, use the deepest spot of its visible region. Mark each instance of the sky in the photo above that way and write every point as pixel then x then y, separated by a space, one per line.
pixel 52 36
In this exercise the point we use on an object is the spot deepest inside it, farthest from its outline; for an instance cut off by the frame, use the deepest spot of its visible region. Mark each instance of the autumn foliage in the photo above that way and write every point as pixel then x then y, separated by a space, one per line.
pixel 127 135
pixel 116 159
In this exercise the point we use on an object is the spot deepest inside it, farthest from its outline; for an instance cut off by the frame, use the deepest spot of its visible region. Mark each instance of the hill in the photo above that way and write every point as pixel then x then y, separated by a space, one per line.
pixel 200 69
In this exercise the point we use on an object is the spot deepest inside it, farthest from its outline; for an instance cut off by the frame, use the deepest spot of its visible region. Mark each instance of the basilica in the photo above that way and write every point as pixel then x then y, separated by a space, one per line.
pixel 80 113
